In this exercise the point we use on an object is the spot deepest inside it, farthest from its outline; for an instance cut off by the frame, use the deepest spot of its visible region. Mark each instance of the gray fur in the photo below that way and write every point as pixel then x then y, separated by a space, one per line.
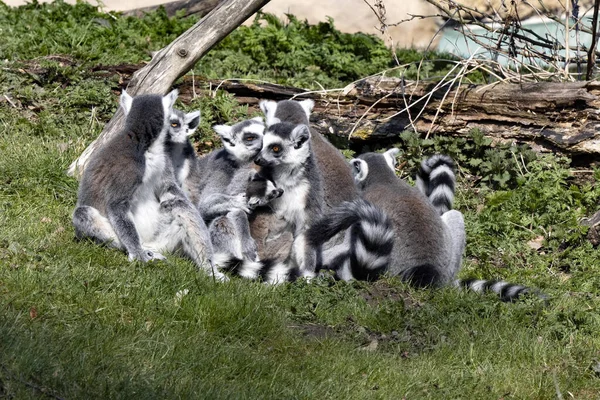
pixel 337 180
pixel 335 176
pixel 287 160
pixel 178 146
pixel 423 244
pixel 230 233
pixel 217 185
pixel 229 169
pixel 128 196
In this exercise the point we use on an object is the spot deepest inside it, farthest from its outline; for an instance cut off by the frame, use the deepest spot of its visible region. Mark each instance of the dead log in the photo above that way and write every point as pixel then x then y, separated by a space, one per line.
pixel 190 7
pixel 175 60
pixel 563 117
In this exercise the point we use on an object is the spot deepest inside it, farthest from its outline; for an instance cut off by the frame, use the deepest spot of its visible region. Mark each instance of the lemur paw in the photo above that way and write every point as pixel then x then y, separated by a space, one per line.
pixel 240 201
pixel 220 277
pixel 146 255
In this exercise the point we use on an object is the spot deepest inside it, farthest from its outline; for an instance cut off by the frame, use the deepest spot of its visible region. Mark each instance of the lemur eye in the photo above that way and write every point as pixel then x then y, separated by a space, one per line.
pixel 175 124
pixel 250 138
pixel 276 149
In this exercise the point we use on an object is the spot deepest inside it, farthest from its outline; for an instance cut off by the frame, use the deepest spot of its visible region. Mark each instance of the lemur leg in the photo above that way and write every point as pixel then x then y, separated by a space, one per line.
pixel 249 248
pixel 89 223
pixel 183 228
pixel 223 237
pixel 303 254
pixel 215 205
pixel 456 226
pixel 121 222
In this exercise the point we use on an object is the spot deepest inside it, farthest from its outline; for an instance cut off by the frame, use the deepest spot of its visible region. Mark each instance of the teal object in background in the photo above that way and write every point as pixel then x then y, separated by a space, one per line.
pixel 455 42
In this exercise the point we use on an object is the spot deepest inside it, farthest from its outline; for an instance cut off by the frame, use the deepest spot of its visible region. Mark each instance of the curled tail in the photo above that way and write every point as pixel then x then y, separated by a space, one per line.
pixel 506 291
pixel 371 239
pixel 436 180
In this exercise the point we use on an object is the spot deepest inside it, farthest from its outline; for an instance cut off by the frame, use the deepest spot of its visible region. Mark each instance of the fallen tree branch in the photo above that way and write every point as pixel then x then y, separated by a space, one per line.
pixel 550 116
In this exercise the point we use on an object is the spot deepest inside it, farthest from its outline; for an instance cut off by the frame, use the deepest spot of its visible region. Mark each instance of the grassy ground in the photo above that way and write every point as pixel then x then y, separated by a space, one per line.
pixel 80 321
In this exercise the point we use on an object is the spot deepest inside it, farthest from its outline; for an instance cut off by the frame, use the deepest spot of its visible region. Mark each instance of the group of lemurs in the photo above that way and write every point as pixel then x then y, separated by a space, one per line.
pixel 277 202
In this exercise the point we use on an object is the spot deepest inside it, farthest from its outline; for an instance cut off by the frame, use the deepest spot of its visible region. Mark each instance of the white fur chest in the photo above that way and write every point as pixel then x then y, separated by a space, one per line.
pixel 292 203
pixel 156 160
pixel 183 170
pixel 145 207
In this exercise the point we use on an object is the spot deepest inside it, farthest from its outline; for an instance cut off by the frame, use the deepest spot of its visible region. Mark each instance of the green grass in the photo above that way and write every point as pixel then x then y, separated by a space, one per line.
pixel 79 321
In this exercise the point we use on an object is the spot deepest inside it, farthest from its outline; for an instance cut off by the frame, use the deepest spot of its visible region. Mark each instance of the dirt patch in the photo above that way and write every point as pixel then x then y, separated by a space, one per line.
pixel 380 291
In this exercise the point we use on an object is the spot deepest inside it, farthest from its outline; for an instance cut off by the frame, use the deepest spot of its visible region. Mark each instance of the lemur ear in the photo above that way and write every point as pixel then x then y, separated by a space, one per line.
pixel 390 158
pixel 224 131
pixel 300 135
pixel 268 108
pixel 307 106
pixel 125 102
pixel 360 169
pixel 192 120
pixel 169 99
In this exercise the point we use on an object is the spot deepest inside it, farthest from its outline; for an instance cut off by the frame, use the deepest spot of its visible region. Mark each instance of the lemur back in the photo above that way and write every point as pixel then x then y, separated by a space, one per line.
pixel 406 236
pixel 422 245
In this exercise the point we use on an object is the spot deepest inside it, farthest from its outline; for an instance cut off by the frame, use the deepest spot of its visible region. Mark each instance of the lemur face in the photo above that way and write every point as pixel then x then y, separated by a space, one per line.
pixel 261 191
pixel 181 125
pixel 284 144
pixel 242 140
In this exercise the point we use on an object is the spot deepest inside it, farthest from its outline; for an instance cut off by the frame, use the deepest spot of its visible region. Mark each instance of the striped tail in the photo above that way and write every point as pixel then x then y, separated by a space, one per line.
pixel 268 271
pixel 371 239
pixel 436 180
pixel 506 291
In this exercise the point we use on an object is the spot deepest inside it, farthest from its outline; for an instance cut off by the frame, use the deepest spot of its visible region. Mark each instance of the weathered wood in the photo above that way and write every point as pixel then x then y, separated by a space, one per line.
pixel 175 60
pixel 561 117
pixel 191 7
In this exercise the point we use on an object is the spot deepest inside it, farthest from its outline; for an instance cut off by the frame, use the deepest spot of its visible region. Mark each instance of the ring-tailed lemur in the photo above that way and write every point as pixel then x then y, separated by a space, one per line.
pixel 129 197
pixel 427 248
pixel 223 174
pixel 287 160
pixel 338 183
pixel 423 245
pixel 218 182
pixel 178 145
pixel 230 233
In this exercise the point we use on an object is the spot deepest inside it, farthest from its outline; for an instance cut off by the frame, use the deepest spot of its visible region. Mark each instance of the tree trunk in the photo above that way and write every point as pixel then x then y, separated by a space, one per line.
pixel 175 60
